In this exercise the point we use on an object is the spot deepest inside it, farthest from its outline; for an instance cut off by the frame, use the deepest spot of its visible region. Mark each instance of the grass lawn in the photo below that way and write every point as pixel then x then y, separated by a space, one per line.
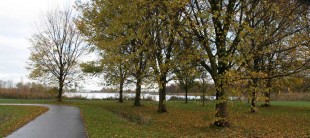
pixel 112 119
pixel 13 117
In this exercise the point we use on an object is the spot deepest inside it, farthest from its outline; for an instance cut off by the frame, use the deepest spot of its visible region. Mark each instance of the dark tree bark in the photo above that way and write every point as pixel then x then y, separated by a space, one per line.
pixel 221 106
pixel 138 92
pixel 186 93
pixel 203 92
pixel 162 96
pixel 253 102
pixel 202 77
pixel 121 85
pixel 140 73
pixel 267 94
pixel 60 91
pixel 257 67
pixel 60 80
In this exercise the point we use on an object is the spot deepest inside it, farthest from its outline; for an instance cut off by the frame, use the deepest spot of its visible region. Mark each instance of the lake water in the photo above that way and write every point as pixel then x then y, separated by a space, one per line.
pixel 154 97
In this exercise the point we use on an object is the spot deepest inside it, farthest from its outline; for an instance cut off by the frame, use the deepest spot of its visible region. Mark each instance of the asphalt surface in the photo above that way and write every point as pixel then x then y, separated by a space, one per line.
pixel 57 122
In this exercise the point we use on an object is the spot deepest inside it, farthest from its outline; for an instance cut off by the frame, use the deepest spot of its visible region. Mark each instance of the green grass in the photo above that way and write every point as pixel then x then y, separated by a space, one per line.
pixel 25 101
pixel 291 103
pixel 112 119
pixel 13 117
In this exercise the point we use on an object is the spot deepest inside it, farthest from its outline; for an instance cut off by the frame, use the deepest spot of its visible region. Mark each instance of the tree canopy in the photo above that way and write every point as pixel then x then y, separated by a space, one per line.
pixel 243 44
pixel 55 48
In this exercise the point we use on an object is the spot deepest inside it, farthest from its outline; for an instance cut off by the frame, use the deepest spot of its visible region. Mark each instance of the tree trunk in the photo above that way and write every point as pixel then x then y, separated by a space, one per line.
pixel 60 91
pixel 162 97
pixel 267 100
pixel 221 103
pixel 253 102
pixel 120 99
pixel 203 92
pixel 186 93
pixel 203 97
pixel 267 94
pixel 256 67
pixel 138 92
pixel 221 107
pixel 221 110
pixel 139 75
pixel 253 96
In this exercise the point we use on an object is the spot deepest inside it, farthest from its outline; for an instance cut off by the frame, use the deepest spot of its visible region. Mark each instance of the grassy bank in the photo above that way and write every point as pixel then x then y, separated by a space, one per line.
pixel 13 117
pixel 111 119
pixel 284 119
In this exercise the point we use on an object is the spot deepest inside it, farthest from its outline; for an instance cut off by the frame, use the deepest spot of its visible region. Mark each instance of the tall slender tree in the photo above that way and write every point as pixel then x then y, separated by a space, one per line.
pixel 163 40
pixel 186 80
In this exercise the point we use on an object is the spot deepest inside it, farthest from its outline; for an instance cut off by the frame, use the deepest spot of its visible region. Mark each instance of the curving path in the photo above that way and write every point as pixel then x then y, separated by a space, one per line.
pixel 57 122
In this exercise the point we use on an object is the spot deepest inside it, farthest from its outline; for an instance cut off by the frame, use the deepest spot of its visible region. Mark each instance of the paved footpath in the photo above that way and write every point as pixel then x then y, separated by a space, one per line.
pixel 57 122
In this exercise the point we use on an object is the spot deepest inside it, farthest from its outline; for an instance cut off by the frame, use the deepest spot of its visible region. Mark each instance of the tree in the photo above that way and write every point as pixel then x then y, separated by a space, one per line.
pixel 273 41
pixel 115 71
pixel 186 78
pixel 96 24
pixel 146 34
pixel 140 70
pixel 186 74
pixel 163 40
pixel 185 68
pixel 218 28
pixel 55 48
pixel 114 35
pixel 224 31
pixel 203 76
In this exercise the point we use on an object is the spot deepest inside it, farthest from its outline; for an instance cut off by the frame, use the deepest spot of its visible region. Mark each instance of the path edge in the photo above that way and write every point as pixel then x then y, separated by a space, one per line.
pixel 26 122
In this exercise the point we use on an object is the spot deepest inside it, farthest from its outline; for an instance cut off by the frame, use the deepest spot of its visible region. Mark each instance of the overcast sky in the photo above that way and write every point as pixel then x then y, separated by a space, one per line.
pixel 17 19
